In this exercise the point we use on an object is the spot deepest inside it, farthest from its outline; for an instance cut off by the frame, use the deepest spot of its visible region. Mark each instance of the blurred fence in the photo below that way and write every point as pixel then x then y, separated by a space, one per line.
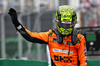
pixel 15 45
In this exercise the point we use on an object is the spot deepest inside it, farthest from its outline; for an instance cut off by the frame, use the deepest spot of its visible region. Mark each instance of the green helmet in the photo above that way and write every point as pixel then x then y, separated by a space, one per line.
pixel 65 18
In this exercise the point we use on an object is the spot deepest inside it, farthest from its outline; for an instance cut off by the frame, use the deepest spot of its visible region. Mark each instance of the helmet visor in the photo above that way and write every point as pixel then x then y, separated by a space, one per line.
pixel 66 24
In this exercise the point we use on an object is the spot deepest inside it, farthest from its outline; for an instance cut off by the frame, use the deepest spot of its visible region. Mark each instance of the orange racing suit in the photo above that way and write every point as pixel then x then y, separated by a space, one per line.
pixel 59 52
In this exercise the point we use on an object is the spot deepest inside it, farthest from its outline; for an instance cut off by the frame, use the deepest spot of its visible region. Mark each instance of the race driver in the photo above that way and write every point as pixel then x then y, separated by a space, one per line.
pixel 67 47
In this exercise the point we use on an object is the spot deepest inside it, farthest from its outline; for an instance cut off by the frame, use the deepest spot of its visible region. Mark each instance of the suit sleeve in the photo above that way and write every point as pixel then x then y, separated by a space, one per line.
pixel 82 52
pixel 34 37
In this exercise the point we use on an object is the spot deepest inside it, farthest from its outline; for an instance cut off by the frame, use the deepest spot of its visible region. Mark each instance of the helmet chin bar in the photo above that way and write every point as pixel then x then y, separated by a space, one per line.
pixel 64 31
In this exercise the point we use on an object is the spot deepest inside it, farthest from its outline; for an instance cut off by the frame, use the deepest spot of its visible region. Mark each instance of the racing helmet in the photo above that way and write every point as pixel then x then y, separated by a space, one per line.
pixel 65 19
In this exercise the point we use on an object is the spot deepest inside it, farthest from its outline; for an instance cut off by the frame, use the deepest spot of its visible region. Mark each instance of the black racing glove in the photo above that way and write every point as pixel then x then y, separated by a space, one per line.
pixel 13 14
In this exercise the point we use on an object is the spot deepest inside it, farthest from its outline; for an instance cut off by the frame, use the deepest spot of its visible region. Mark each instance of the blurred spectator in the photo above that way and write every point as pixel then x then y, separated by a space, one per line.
pixel 90 15
pixel 98 13
pixel 85 5
pixel 93 23
pixel 14 3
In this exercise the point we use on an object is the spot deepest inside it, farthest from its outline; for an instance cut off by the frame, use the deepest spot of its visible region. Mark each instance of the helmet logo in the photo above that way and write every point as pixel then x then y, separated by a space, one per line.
pixel 66 22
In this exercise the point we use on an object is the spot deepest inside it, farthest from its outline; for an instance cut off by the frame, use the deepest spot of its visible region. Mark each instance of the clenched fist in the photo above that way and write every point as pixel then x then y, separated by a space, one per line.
pixel 13 15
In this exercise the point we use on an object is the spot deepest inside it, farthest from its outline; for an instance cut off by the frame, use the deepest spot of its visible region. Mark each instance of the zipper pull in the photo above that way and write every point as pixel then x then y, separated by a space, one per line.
pixel 63 41
pixel 65 37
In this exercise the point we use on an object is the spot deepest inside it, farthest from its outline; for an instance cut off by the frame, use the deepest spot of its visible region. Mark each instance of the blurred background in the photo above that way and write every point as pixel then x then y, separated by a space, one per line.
pixel 38 16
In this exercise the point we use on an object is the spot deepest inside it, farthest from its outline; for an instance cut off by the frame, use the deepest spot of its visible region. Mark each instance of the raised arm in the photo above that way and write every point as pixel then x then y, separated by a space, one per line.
pixel 28 35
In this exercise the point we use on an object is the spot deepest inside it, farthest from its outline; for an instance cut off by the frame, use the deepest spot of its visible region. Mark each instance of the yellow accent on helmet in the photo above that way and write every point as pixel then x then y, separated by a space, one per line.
pixel 66 14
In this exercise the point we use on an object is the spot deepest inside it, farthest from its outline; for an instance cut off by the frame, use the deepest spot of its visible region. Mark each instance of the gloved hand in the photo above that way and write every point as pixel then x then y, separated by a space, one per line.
pixel 13 14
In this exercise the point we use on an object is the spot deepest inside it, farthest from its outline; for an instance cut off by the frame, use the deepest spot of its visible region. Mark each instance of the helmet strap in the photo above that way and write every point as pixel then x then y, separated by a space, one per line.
pixel 74 36
pixel 60 38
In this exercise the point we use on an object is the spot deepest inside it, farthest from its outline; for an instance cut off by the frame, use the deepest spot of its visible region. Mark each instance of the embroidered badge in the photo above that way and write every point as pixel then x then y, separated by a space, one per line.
pixel 54 40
